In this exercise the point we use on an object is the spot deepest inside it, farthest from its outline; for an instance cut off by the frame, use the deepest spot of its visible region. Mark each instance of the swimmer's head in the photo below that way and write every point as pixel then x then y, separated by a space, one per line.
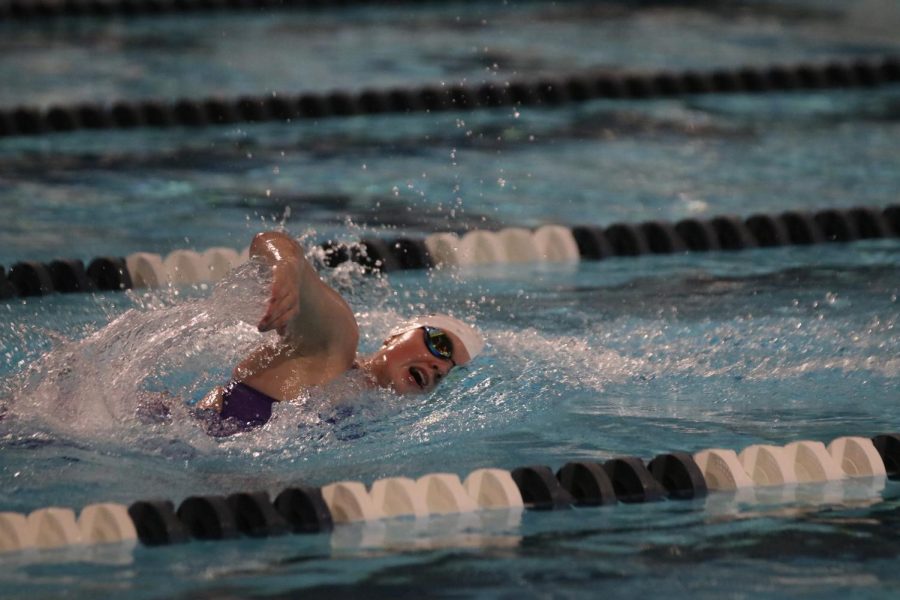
pixel 420 352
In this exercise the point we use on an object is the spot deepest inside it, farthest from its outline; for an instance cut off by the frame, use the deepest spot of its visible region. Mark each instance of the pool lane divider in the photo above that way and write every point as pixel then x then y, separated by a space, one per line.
pixel 302 510
pixel 554 91
pixel 33 10
pixel 548 243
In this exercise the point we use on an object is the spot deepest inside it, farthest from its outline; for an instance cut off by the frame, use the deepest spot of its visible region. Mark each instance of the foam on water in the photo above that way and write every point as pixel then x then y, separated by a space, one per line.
pixel 91 386
pixel 104 390
pixel 165 350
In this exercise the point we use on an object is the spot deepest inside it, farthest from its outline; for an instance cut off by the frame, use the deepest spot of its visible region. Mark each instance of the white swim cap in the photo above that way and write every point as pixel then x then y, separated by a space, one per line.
pixel 471 338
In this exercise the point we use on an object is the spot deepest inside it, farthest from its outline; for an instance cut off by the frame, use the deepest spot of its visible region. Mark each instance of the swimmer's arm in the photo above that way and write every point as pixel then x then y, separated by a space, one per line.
pixel 212 400
pixel 309 315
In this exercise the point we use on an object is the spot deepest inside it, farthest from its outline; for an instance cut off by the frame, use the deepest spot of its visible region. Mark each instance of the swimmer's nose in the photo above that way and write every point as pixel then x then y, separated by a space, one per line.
pixel 441 370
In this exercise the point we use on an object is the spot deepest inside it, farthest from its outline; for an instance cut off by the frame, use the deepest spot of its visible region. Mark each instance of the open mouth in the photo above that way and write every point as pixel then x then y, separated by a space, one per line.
pixel 418 376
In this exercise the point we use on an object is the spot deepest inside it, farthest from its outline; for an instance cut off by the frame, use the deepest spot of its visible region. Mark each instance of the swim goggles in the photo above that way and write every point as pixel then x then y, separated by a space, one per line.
pixel 439 343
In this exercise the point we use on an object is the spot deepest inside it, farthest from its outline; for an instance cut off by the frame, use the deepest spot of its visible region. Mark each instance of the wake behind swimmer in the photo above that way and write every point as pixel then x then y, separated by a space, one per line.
pixel 93 384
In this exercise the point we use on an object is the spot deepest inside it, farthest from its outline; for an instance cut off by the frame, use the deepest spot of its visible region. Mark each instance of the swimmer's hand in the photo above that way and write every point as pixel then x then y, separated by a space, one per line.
pixel 212 400
pixel 284 299
pixel 311 318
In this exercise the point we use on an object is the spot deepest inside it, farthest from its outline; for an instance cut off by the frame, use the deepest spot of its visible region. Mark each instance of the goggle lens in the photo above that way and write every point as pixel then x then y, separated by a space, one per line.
pixel 438 342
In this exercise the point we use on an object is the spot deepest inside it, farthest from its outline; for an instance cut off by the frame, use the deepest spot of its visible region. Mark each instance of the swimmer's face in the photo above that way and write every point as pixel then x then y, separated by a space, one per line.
pixel 406 365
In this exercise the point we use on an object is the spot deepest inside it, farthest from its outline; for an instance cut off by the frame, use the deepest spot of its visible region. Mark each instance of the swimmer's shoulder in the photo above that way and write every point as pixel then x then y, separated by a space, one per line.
pixel 283 374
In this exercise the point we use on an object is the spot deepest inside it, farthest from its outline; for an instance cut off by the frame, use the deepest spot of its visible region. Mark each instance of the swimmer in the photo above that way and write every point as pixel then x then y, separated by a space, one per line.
pixel 319 338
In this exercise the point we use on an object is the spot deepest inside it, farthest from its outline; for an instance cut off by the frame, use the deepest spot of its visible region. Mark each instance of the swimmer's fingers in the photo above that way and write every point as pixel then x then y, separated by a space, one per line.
pixel 284 300
pixel 281 317
pixel 280 310
pixel 284 291
pixel 275 317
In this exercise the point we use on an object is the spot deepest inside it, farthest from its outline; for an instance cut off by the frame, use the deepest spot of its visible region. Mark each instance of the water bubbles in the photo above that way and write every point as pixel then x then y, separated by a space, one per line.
pixel 95 384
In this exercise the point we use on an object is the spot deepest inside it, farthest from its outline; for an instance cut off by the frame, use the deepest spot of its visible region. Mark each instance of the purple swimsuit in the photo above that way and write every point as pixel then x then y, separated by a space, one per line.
pixel 243 409
pixel 243 403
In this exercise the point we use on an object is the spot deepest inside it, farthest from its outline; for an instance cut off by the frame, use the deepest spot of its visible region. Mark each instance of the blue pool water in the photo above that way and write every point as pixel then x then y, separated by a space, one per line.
pixel 589 361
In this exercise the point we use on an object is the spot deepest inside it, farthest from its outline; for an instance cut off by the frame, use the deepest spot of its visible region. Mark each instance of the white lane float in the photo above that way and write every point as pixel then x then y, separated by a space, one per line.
pixel 186 267
pixel 812 462
pixel 480 248
pixel 443 248
pixel 147 270
pixel 105 523
pixel 445 494
pixel 722 469
pixel 54 527
pixel 519 245
pixel 15 534
pixel 493 488
pixel 349 501
pixel 219 261
pixel 398 496
pixel 857 456
pixel 556 243
pixel 768 465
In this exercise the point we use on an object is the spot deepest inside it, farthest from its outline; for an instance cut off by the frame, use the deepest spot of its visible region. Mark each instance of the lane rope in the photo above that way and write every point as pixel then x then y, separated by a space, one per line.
pixel 33 10
pixel 545 244
pixel 301 510
pixel 544 92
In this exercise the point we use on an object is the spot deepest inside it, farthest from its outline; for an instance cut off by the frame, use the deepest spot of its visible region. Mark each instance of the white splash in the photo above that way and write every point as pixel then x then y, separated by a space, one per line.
pixel 96 384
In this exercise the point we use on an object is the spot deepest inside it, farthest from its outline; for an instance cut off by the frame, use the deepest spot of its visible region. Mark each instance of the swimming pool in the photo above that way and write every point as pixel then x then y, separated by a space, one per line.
pixel 589 361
